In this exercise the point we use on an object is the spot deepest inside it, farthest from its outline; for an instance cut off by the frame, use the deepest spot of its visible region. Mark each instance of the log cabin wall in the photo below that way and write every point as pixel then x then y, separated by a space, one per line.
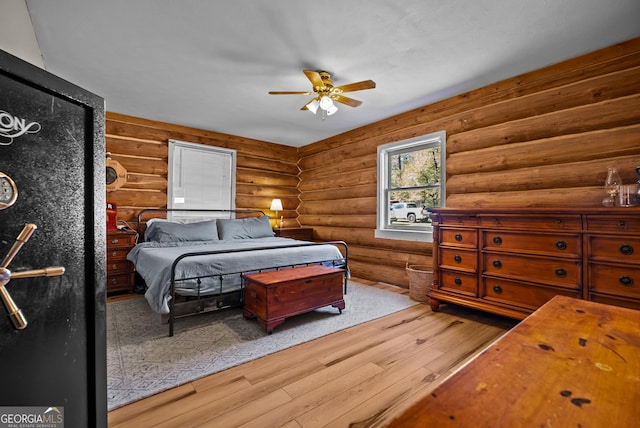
pixel 263 170
pixel 542 139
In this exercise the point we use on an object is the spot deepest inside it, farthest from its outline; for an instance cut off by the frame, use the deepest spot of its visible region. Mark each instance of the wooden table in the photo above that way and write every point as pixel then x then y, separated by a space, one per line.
pixel 572 363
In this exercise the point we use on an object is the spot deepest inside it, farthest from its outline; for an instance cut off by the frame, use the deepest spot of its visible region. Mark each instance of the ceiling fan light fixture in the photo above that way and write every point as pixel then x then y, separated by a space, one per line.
pixel 313 106
pixel 326 103
pixel 331 110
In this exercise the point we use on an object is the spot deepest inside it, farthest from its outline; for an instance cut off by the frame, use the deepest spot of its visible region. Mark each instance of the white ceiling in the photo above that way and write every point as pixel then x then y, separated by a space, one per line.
pixel 209 64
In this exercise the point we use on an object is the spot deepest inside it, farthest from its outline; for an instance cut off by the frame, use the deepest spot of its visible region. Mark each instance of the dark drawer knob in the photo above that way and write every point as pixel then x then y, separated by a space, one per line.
pixel 457 281
pixel 457 258
pixel 458 237
pixel 561 245
pixel 622 224
pixel 497 264
pixel 625 280
pixel 497 289
pixel 497 240
pixel 561 273
pixel 626 249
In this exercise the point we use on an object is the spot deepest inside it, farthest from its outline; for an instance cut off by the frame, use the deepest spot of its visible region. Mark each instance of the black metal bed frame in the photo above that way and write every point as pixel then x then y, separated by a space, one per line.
pixel 238 295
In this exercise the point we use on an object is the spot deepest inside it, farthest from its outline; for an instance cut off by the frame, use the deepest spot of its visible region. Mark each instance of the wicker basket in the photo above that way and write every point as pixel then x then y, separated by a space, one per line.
pixel 420 280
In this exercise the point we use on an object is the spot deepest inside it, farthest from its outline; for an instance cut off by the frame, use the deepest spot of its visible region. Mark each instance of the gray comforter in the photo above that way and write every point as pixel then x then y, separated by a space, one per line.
pixel 153 262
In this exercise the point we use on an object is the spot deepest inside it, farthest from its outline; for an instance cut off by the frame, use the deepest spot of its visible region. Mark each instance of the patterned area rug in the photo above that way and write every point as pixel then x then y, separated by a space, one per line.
pixel 142 360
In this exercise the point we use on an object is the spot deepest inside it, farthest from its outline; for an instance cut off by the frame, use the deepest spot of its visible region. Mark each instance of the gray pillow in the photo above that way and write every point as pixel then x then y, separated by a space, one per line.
pixel 245 228
pixel 167 231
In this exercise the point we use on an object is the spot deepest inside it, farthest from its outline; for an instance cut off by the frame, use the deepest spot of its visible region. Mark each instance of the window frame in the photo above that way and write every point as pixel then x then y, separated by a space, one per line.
pixel 383 227
pixel 230 180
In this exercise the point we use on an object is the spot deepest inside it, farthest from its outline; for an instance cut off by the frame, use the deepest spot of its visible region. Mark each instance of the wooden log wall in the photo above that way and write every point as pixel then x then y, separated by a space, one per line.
pixel 542 139
pixel 264 170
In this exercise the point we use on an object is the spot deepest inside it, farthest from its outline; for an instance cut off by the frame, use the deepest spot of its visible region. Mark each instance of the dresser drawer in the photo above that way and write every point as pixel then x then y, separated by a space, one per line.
pixel 613 223
pixel 119 282
pixel 457 219
pixel 117 253
pixel 542 221
pixel 521 294
pixel 564 245
pixel 618 280
pixel 459 237
pixel 459 282
pixel 118 266
pixel 618 249
pixel 458 258
pixel 117 240
pixel 546 270
pixel 616 301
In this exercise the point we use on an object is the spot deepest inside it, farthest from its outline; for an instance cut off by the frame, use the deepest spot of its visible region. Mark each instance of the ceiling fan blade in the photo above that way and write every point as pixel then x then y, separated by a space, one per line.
pixel 358 86
pixel 289 93
pixel 314 77
pixel 346 100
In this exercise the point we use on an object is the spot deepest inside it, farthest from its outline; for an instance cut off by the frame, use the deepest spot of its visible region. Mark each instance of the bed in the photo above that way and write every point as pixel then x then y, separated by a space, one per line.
pixel 195 266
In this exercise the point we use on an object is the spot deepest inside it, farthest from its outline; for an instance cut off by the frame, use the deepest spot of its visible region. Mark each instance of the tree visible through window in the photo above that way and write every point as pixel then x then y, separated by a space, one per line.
pixel 415 177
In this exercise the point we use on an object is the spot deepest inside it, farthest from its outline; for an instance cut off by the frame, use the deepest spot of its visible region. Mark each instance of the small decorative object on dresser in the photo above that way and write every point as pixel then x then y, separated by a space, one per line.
pixel 120 272
pixel 511 261
pixel 301 233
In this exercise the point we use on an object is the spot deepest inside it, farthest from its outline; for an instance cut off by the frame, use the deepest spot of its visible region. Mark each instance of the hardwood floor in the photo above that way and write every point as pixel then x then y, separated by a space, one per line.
pixel 363 376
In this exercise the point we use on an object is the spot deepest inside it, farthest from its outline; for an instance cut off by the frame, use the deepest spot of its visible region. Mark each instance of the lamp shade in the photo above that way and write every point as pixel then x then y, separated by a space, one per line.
pixel 313 106
pixel 326 103
pixel 276 205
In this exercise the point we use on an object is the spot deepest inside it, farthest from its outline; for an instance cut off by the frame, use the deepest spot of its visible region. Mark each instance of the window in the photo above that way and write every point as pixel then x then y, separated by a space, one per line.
pixel 411 179
pixel 200 177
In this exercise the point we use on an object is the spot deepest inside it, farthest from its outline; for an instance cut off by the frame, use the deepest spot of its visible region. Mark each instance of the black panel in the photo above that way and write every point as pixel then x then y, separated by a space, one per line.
pixel 59 358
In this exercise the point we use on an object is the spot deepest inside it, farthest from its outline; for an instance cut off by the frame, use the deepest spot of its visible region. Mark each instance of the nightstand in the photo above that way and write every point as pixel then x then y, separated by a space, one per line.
pixel 301 233
pixel 120 271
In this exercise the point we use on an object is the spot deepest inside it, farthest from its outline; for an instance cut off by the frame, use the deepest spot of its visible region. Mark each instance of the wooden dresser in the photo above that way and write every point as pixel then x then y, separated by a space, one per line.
pixel 512 261
pixel 120 272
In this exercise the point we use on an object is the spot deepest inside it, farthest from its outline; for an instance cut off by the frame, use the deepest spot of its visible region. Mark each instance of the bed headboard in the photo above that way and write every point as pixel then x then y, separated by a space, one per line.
pixel 149 213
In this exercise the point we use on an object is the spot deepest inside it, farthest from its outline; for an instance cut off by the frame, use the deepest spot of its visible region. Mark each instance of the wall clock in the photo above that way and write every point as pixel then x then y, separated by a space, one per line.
pixel 116 174
pixel 8 191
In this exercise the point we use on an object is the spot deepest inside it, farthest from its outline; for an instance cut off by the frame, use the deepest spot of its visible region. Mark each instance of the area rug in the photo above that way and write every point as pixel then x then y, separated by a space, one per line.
pixel 143 360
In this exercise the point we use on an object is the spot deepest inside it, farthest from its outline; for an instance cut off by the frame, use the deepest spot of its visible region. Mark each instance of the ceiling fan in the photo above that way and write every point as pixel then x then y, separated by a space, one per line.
pixel 326 93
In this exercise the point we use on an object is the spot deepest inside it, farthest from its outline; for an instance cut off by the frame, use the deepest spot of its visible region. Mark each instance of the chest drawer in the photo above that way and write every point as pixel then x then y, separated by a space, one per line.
pixel 546 270
pixel 117 253
pixel 521 294
pixel 118 266
pixel 618 280
pixel 457 219
pixel 619 249
pixel 459 282
pixel 459 237
pixel 120 240
pixel 543 221
pixel 458 258
pixel 614 223
pixel 564 245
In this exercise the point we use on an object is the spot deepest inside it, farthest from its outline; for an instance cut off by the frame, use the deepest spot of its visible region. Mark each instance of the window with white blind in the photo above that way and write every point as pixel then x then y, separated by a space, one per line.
pixel 200 177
